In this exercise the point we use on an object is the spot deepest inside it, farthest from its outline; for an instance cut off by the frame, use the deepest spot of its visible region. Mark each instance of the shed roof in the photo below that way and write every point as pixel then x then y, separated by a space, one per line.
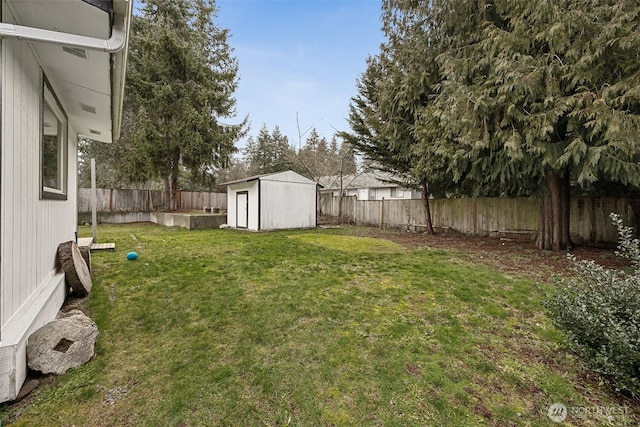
pixel 286 176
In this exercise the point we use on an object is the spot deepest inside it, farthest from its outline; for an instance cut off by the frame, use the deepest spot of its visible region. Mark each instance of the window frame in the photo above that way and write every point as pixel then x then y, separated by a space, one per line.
pixel 397 192
pixel 50 101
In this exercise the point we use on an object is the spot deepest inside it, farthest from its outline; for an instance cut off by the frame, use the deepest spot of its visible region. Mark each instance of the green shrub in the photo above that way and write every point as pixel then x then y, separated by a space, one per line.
pixel 599 312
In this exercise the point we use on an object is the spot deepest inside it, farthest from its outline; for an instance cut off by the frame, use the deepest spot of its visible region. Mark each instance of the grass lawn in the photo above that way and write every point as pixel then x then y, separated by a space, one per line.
pixel 310 328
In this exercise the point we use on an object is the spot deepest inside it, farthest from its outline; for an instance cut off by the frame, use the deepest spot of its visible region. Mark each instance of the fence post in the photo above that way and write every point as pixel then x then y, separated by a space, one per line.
pixel 475 216
pixel 382 213
pixel 94 202
pixel 355 209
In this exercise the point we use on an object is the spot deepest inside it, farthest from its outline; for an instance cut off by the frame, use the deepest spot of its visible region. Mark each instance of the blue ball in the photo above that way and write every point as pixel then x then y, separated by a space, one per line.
pixel 132 256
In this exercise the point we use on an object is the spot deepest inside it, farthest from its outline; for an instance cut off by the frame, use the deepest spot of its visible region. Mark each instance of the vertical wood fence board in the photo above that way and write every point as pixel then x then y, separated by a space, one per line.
pixel 119 200
pixel 484 216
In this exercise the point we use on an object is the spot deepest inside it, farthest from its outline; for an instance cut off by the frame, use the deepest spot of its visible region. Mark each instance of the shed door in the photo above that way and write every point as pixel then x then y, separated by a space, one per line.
pixel 242 209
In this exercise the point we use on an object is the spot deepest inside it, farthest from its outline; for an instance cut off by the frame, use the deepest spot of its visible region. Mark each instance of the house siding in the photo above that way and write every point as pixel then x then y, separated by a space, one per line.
pixel 367 186
pixel 32 289
pixel 379 193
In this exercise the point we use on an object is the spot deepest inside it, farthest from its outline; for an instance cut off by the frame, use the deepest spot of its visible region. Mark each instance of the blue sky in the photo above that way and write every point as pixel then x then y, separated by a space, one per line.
pixel 298 56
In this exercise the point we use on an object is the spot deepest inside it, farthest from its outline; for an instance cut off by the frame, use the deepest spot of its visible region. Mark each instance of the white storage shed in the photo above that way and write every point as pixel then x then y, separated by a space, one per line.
pixel 271 202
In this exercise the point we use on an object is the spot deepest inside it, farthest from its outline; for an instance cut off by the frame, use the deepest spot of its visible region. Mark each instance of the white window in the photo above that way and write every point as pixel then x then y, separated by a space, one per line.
pixel 397 192
pixel 53 146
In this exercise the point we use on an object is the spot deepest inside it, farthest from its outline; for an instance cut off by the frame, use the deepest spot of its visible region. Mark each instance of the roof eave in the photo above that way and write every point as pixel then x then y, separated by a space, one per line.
pixel 116 45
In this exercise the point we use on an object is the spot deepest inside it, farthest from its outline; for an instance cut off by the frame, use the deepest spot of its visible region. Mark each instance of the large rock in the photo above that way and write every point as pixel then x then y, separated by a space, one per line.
pixel 64 343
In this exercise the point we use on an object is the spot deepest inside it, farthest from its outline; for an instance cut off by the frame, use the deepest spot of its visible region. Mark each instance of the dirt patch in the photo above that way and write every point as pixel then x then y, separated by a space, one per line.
pixel 502 254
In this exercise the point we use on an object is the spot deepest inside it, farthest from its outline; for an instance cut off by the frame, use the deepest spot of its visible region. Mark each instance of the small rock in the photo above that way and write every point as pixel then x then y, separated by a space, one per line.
pixel 27 388
pixel 115 394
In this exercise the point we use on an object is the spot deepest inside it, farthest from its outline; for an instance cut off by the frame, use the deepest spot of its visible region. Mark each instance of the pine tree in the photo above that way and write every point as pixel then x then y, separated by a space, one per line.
pixel 393 91
pixel 345 163
pixel 180 84
pixel 268 152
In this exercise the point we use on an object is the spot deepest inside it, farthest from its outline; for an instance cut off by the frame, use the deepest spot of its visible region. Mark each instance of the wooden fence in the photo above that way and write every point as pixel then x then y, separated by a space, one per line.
pixel 498 217
pixel 113 200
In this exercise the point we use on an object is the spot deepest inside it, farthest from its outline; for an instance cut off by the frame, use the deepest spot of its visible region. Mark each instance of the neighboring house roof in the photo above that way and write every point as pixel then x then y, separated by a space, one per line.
pixel 286 176
pixel 363 180
pixel 82 48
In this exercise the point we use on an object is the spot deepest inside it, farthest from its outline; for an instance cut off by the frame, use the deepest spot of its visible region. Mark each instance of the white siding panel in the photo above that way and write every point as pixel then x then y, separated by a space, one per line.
pixel 31 228
pixel 254 203
pixel 6 215
pixel 231 206
pixel 32 289
pixel 287 205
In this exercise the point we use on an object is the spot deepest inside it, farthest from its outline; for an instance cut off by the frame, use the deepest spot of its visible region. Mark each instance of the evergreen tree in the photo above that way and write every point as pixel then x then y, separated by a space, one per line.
pixel 313 155
pixel 341 159
pixel 393 91
pixel 236 170
pixel 505 98
pixel 268 152
pixel 285 152
pixel 345 162
pixel 180 83
pixel 107 175
pixel 271 152
pixel 539 95
pixel 319 157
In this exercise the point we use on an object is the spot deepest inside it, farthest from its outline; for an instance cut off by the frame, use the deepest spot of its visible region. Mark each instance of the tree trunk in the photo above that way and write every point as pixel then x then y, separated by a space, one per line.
pixel 566 210
pixel 553 229
pixel 544 224
pixel 174 192
pixel 166 193
pixel 427 207
pixel 169 193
